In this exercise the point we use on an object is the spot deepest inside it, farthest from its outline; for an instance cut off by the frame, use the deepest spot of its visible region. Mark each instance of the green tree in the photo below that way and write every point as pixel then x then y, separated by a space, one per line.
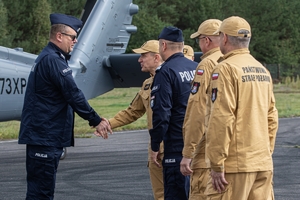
pixel 275 24
pixel 148 24
pixel 29 25
pixel 29 22
pixel 186 15
pixel 146 31
pixel 275 32
pixel 36 27
pixel 4 37
pixel 194 13
pixel 68 7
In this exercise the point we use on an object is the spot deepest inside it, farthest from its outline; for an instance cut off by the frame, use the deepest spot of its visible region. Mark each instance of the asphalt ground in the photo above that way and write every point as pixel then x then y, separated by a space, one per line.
pixel 116 168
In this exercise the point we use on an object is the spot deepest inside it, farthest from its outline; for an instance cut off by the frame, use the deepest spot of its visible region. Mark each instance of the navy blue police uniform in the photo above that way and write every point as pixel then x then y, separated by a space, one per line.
pixel 169 97
pixel 48 114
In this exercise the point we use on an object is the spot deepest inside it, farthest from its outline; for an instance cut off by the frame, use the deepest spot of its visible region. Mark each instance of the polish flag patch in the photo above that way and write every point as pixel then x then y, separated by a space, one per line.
pixel 215 76
pixel 200 71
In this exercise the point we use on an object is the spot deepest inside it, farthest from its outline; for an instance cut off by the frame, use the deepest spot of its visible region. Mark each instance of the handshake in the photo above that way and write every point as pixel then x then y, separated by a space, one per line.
pixel 103 128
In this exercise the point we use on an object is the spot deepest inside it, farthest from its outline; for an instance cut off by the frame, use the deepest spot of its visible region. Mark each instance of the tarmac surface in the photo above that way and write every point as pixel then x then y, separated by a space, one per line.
pixel 116 168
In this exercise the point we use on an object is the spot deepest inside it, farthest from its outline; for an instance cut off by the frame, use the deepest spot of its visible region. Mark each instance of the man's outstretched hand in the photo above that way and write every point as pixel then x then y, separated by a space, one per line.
pixel 103 128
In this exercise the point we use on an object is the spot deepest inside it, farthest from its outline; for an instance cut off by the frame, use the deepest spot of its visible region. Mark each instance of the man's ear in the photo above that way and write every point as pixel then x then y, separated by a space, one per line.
pixel 58 36
pixel 225 38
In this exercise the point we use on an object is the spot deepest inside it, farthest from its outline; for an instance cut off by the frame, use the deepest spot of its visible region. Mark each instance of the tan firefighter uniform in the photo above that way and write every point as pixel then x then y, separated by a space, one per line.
pixel 193 126
pixel 141 105
pixel 138 107
pixel 242 126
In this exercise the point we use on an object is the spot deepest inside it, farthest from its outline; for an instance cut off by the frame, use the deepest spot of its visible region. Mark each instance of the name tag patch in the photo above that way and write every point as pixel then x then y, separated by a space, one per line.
pixel 155 88
pixel 172 160
pixel 66 70
pixel 152 101
pixel 41 155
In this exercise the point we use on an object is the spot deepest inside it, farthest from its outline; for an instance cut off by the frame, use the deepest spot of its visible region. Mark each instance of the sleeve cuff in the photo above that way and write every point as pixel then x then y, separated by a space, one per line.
pixel 113 123
pixel 217 168
pixel 95 121
pixel 187 154
pixel 155 147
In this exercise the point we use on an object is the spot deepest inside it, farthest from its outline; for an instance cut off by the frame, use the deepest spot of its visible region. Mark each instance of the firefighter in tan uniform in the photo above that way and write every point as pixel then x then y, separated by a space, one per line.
pixel 149 60
pixel 193 128
pixel 242 120
pixel 188 52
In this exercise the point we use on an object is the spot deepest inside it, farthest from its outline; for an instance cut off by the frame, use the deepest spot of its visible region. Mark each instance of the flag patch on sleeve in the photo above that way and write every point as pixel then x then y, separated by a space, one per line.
pixel 200 72
pixel 215 76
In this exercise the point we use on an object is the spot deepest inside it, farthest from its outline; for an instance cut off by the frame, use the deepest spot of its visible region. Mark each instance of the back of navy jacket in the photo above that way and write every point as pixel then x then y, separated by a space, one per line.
pixel 169 96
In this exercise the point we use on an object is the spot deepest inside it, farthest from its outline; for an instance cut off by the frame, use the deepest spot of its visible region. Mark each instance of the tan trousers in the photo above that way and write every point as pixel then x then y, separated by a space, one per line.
pixel 156 178
pixel 198 182
pixel 243 186
pixel 271 197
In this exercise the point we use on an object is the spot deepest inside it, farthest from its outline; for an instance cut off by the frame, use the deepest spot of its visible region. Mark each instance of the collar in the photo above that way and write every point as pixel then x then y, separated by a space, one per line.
pixel 175 55
pixel 60 52
pixel 210 52
pixel 158 68
pixel 235 52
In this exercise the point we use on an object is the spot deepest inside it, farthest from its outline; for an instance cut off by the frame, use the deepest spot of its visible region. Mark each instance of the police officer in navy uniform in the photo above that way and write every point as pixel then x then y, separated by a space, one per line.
pixel 48 114
pixel 170 92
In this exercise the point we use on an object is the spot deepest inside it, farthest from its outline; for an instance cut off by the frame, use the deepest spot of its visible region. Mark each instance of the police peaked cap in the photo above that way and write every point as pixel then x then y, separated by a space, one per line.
pixel 171 33
pixel 73 22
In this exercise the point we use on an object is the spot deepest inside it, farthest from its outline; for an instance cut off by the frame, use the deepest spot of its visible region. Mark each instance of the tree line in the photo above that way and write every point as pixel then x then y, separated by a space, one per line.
pixel 275 25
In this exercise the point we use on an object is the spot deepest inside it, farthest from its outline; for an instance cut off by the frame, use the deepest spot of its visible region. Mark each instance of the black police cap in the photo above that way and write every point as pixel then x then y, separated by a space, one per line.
pixel 171 33
pixel 73 22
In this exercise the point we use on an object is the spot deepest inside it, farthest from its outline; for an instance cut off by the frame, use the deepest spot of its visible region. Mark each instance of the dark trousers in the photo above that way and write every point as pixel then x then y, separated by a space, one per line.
pixel 41 167
pixel 176 186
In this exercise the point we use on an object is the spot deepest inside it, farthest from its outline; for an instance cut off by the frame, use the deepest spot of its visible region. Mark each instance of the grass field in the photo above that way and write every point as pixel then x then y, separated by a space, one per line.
pixel 107 105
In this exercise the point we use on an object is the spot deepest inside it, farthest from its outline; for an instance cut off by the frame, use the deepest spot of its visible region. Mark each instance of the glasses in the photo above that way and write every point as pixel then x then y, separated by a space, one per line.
pixel 73 37
pixel 199 38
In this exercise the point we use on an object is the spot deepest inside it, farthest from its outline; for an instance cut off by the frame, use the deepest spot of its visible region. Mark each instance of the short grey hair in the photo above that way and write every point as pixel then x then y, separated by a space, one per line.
pixel 55 28
pixel 241 42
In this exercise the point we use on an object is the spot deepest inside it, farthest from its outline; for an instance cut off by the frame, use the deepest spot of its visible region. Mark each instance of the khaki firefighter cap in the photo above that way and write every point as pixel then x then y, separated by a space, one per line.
pixel 149 46
pixel 208 27
pixel 188 52
pixel 235 26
